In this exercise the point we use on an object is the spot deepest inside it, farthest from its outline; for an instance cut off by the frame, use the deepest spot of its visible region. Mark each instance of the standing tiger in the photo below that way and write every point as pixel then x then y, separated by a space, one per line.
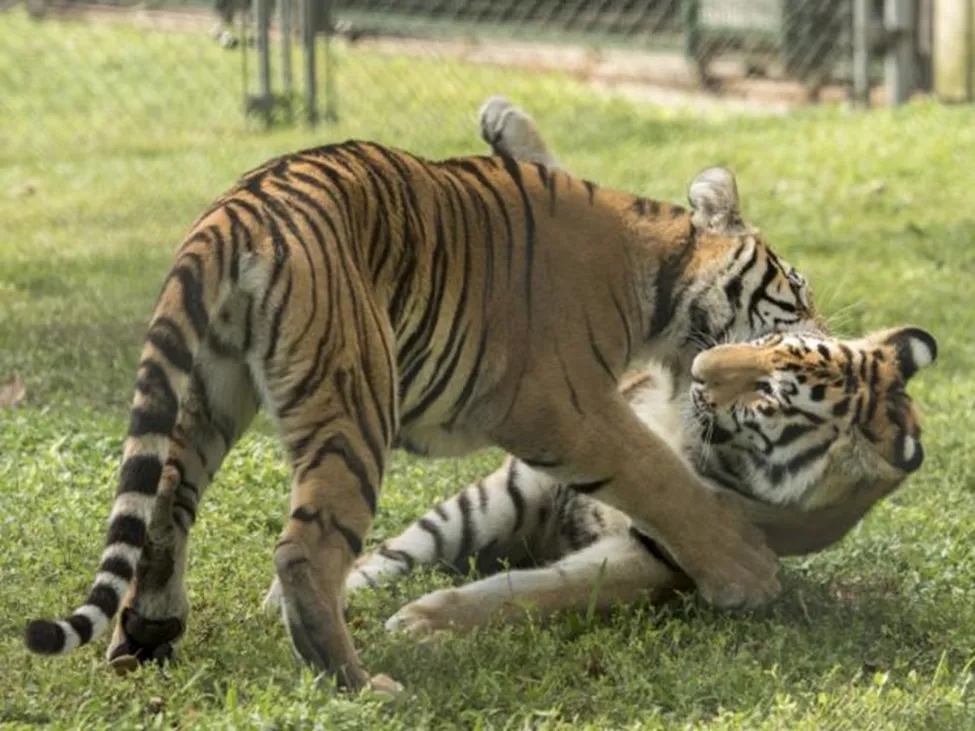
pixel 370 299
pixel 809 432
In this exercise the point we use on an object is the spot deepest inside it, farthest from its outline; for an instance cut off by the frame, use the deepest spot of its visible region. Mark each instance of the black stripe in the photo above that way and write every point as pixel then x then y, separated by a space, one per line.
pixel 625 322
pixel 793 432
pixel 541 463
pixel 192 290
pixel 272 342
pixel 310 382
pixel 235 230
pixel 514 170
pixel 45 637
pixel 118 566
pixel 140 474
pixel 517 499
pixel 573 396
pixel 153 383
pixel 143 422
pixel 803 459
pixel 105 598
pixel 587 488
pixel 340 446
pixel 127 529
pixel 168 339
pixel 670 272
pixel 394 554
pixel 440 385
pixel 596 352
pixel 482 496
pixel 590 190
pixel 82 625
pixel 355 543
pixel 472 378
pixel 305 514
pixel 500 206
pixel 760 292
pixel 438 539
pixel 655 550
pixel 873 389
pixel 467 533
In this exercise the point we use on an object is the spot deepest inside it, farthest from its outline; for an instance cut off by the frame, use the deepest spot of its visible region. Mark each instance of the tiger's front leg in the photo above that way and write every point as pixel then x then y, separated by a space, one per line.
pixel 334 403
pixel 610 455
pixel 615 570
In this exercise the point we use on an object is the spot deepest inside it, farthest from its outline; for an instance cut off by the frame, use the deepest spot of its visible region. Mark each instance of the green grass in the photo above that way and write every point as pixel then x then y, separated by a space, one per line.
pixel 876 209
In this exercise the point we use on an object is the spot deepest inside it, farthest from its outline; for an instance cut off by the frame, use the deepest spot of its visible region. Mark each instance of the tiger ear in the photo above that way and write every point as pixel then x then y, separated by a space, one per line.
pixel 714 197
pixel 915 348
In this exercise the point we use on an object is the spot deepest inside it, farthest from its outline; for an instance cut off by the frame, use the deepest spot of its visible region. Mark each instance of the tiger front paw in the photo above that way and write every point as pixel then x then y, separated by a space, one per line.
pixel 439 610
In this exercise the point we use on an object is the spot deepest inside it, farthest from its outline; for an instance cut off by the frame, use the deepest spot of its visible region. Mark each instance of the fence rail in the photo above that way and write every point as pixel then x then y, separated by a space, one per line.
pixel 56 55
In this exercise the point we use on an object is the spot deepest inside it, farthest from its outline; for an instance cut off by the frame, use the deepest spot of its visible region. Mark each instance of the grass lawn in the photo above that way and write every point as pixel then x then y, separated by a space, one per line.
pixel 113 140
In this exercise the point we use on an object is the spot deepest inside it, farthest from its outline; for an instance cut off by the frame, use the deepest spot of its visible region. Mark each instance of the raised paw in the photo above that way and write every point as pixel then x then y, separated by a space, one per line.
pixel 139 640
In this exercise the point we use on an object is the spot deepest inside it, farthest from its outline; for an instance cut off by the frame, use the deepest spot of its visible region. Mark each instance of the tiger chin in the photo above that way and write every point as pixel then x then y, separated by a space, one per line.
pixel 370 299
pixel 807 433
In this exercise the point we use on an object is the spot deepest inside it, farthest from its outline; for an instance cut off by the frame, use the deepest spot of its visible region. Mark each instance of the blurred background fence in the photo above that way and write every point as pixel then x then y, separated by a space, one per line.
pixel 73 72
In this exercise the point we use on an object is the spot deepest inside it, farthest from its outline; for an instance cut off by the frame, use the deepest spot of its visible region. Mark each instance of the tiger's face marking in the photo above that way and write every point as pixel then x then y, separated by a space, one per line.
pixel 772 410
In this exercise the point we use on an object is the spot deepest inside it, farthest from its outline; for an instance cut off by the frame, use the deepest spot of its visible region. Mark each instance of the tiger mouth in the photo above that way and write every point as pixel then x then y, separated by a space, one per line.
pixel 701 408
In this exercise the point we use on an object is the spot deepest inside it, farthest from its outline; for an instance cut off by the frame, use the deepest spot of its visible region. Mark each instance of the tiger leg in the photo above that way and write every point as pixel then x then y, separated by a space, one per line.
pixel 219 407
pixel 617 569
pixel 496 520
pixel 612 456
pixel 499 520
pixel 337 417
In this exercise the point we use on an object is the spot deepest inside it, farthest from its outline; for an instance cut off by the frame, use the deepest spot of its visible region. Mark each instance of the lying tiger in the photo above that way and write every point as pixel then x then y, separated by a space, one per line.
pixel 369 300
pixel 807 432
pixel 792 425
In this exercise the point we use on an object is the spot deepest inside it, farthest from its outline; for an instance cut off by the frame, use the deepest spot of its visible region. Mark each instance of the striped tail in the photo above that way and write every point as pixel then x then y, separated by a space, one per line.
pixel 191 296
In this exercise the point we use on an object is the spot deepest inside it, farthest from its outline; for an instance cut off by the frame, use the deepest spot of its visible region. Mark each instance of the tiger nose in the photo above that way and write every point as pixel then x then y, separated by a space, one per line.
pixel 730 363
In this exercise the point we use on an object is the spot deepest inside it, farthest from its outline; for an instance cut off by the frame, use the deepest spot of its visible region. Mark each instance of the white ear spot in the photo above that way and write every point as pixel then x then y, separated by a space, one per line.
pixel 921 353
pixel 916 349
pixel 911 454
pixel 908 448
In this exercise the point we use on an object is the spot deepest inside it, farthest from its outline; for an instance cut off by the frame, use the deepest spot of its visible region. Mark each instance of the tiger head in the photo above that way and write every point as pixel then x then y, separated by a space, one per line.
pixel 806 420
pixel 738 288
pixel 716 279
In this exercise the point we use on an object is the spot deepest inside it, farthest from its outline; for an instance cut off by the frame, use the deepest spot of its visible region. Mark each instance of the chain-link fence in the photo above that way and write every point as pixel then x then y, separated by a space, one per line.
pixel 73 74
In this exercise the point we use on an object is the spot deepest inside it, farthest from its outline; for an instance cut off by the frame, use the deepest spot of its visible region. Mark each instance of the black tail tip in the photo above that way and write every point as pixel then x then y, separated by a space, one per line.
pixel 44 637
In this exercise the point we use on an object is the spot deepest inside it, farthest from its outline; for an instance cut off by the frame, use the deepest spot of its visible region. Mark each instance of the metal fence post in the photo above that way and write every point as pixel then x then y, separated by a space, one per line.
pixel 899 63
pixel 691 22
pixel 331 102
pixel 284 8
pixel 262 15
pixel 861 53
pixel 309 27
